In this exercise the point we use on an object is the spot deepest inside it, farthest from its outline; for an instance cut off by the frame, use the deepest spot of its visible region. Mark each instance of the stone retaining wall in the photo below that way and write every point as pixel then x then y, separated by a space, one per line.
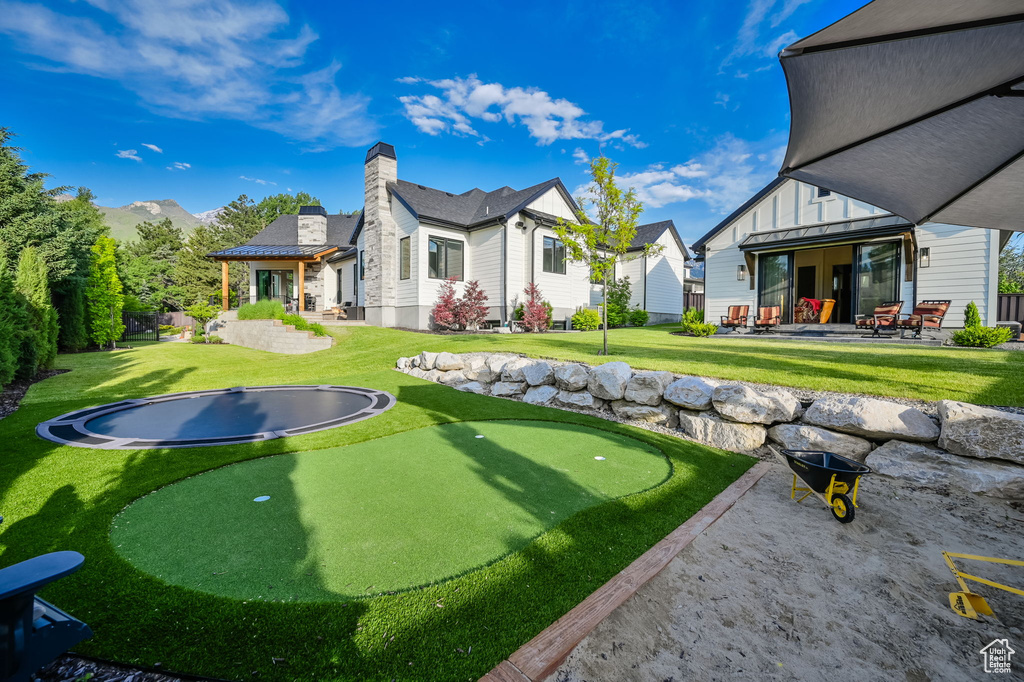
pixel 977 449
pixel 270 335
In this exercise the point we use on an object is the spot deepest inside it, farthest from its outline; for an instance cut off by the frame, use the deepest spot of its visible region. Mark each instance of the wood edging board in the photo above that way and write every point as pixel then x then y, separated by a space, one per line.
pixel 541 656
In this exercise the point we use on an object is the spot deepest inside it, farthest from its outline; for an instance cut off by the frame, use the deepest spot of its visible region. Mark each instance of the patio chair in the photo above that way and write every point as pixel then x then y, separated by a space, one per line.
pixel 883 319
pixel 33 632
pixel 927 315
pixel 737 317
pixel 768 318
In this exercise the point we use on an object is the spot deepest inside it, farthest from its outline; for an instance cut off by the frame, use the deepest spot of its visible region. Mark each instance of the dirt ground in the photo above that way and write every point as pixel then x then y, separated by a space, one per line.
pixel 776 590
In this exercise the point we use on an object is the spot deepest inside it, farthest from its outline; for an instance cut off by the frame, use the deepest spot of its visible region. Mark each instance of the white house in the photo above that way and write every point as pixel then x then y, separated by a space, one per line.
pixel 388 262
pixel 794 240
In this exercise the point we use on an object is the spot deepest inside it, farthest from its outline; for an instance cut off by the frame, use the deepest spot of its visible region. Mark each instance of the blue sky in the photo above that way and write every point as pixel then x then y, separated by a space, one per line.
pixel 203 100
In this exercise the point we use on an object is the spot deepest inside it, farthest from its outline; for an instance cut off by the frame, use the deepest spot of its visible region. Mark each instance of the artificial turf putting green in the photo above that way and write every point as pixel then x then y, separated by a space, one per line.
pixel 380 516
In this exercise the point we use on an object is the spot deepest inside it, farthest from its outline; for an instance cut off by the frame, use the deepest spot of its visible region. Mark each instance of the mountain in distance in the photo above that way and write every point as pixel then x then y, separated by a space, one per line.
pixel 122 220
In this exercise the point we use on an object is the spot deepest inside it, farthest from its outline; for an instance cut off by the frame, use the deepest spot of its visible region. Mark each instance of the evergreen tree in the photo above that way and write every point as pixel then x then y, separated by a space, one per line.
pixel 197 275
pixel 146 266
pixel 73 335
pixel 40 335
pixel 104 295
pixel 10 318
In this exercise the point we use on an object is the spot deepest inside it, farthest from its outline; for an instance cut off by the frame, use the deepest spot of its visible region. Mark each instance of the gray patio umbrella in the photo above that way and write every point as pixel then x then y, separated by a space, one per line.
pixel 915 106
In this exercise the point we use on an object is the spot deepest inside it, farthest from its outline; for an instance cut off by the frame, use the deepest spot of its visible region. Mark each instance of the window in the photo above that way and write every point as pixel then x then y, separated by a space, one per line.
pixel 444 258
pixel 554 255
pixel 362 265
pixel 404 252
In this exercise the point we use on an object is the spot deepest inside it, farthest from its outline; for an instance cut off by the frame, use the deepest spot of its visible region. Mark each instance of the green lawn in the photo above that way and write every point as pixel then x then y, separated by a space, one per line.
pixel 537 568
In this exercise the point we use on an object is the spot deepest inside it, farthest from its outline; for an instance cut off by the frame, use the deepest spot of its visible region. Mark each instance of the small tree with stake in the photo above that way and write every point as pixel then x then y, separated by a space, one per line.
pixel 603 243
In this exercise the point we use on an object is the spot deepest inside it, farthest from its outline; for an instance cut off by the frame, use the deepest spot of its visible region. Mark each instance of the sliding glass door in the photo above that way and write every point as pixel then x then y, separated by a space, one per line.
pixel 878 275
pixel 775 283
pixel 274 285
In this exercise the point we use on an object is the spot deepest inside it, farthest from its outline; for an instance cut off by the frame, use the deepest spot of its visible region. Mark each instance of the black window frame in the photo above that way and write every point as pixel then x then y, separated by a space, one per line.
pixel 549 260
pixel 405 258
pixel 440 270
pixel 362 265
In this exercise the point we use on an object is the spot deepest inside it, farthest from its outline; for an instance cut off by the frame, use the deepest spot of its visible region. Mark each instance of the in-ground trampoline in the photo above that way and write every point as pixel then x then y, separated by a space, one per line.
pixel 217 417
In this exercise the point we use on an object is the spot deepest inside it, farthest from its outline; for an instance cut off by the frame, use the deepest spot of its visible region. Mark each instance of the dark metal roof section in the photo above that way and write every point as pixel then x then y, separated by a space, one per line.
pixel 381 149
pixel 698 245
pixel 312 210
pixel 649 234
pixel 847 230
pixel 283 233
pixel 270 251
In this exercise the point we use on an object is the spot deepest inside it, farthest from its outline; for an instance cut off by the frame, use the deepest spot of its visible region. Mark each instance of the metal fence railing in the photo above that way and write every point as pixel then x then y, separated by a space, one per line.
pixel 140 326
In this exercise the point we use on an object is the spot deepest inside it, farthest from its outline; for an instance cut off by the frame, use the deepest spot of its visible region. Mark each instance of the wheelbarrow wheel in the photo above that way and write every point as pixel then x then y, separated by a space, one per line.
pixel 842 508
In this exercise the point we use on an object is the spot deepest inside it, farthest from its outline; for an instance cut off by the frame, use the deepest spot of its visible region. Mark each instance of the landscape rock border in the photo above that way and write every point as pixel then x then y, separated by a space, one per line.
pixel 938 445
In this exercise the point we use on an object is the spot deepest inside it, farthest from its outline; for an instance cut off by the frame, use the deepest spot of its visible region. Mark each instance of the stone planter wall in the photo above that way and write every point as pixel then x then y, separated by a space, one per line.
pixel 270 335
pixel 973 448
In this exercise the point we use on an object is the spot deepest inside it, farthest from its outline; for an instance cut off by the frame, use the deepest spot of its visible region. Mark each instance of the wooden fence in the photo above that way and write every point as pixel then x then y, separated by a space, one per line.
pixel 693 300
pixel 1011 307
pixel 176 318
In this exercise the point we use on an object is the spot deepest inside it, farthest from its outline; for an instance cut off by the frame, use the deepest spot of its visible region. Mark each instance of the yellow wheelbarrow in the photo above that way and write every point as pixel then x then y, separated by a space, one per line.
pixel 833 478
pixel 968 603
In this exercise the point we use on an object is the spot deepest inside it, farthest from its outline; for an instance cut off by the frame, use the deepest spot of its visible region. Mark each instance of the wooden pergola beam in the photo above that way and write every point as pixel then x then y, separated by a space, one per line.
pixel 224 284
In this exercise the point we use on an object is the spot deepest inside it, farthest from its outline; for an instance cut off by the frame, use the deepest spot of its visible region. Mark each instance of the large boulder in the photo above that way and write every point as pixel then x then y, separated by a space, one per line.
pixel 427 360
pixel 692 393
pixel 571 377
pixel 433 375
pixel 872 418
pixel 540 395
pixel 710 430
pixel 931 467
pixel 417 372
pixel 513 369
pixel 451 378
pixel 608 381
pixel 744 404
pixel 646 388
pixel 476 369
pixel 496 363
pixel 473 387
pixel 404 364
pixel 447 362
pixel 981 432
pixel 625 409
pixel 538 373
pixel 506 388
pixel 579 399
pixel 805 437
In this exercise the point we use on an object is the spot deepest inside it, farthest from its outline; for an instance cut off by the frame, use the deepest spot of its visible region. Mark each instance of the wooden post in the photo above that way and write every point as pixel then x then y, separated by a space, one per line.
pixel 224 283
pixel 302 286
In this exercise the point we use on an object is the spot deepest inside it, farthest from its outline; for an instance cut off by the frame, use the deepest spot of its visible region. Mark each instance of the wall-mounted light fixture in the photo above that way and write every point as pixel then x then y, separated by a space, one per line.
pixel 741 272
pixel 925 257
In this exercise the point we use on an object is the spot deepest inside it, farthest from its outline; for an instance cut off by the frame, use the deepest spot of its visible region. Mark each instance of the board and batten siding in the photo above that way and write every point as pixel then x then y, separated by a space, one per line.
pixel 666 274
pixel 406 225
pixel 964 267
pixel 791 204
pixel 485 245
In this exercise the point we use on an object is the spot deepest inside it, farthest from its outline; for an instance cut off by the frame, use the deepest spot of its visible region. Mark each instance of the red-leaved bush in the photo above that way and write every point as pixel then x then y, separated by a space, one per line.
pixel 471 311
pixel 535 315
pixel 446 308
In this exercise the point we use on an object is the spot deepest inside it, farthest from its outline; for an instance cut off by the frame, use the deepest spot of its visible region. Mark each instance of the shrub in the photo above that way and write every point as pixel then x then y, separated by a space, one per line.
pixel 981 337
pixel 536 311
pixel 619 293
pixel 11 314
pixel 520 310
pixel 73 335
pixel 213 338
pixel 197 338
pixel 692 315
pixel 586 320
pixel 302 325
pixel 262 310
pixel 971 316
pixel 470 310
pixel 693 323
pixel 39 341
pixel 202 314
pixel 447 306
pixel 317 329
pixel 638 317
pixel 703 329
pixel 169 330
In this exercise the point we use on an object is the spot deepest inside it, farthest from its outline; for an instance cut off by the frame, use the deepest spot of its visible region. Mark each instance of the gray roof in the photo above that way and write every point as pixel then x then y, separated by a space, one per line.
pixel 272 251
pixel 469 209
pixel 649 234
pixel 284 231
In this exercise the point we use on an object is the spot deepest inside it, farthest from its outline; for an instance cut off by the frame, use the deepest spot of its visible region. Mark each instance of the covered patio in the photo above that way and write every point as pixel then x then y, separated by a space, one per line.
pixel 276 272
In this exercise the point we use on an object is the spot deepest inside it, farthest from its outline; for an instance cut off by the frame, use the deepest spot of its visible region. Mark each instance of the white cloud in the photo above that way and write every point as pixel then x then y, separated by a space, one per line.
pixel 179 165
pixel 758 35
pixel 132 154
pixel 408 80
pixel 199 59
pixel 463 101
pixel 580 156
pixel 723 177
pixel 258 181
pixel 153 147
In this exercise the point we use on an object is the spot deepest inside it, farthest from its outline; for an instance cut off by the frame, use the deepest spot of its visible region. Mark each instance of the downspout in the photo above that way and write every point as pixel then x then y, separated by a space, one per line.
pixel 503 311
pixel 645 281
pixel 533 252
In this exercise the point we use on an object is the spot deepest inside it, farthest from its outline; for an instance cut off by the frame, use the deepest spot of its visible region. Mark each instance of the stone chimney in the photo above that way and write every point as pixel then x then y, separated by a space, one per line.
pixel 312 225
pixel 380 239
